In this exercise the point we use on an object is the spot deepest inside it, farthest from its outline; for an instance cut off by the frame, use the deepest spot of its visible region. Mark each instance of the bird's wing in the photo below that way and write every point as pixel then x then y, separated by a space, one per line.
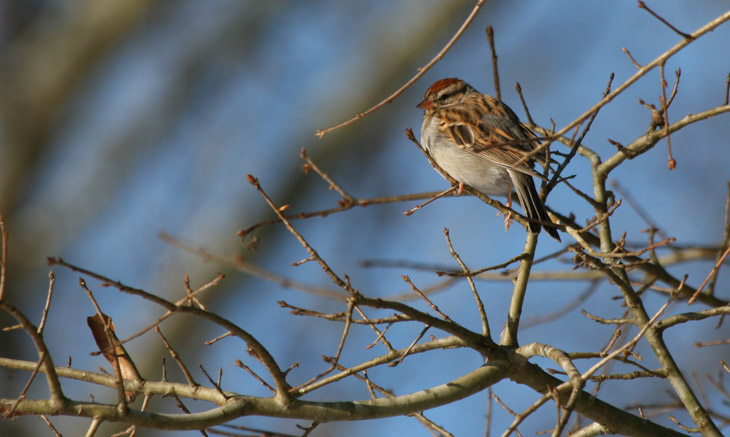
pixel 497 136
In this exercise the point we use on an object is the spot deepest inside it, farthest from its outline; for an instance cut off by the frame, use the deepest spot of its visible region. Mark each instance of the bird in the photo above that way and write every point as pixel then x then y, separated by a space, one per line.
pixel 479 141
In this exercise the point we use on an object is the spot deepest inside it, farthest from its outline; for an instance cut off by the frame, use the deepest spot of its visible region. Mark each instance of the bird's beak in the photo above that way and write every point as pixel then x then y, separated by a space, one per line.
pixel 425 104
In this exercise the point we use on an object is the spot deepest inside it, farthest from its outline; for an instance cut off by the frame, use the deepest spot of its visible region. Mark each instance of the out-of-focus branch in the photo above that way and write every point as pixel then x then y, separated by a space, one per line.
pixel 45 65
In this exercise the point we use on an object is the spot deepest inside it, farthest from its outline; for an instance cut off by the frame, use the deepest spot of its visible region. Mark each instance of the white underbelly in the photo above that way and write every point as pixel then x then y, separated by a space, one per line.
pixel 480 174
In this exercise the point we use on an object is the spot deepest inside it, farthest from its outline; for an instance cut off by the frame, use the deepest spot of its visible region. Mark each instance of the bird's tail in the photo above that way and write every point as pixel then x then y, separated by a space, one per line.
pixel 531 203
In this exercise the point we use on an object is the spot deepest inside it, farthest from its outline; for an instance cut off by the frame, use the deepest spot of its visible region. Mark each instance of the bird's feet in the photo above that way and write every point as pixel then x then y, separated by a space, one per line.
pixel 460 190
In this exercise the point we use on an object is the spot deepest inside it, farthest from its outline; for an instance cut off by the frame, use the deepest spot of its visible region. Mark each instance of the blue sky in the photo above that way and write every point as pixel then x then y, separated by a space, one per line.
pixel 166 126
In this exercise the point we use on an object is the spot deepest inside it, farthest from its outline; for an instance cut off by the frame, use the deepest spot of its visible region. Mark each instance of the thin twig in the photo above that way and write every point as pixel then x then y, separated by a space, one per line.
pixel 488 425
pixel 495 69
pixel 54 384
pixel 575 144
pixel 24 392
pixel 472 286
pixel 332 184
pixel 341 208
pixel 633 61
pixel 509 430
pixel 672 163
pixel 312 252
pixel 240 364
pixel 219 338
pixel 421 71
pixel 725 240
pixel 415 289
pixel 421 205
pixel 176 357
pixel 52 281
pixel 215 384
pixel 114 361
pixel 333 360
pixel 642 5
pixel 707 279
pixel 50 425
pixel 518 88
pixel 410 346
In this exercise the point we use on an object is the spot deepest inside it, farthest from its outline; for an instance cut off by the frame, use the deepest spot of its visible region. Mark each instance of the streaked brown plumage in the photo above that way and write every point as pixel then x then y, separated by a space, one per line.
pixel 479 141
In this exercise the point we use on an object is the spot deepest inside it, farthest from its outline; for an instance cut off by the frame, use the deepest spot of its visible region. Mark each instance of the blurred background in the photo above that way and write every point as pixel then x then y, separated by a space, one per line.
pixel 122 119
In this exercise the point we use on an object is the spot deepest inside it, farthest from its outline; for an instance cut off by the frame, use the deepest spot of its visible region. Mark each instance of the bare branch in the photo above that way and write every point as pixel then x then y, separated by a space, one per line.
pixel 421 71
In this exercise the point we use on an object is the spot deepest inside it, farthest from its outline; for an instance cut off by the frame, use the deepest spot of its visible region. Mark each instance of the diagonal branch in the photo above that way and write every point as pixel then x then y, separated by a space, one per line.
pixel 421 71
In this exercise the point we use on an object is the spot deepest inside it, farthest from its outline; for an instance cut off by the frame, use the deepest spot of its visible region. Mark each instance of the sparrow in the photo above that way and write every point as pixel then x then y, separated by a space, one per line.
pixel 480 142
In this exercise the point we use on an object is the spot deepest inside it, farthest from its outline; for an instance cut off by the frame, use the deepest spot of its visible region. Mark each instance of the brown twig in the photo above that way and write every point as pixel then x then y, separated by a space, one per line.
pixel 215 384
pixel 685 428
pixel 54 385
pixel 603 321
pixel 488 426
pixel 511 429
pixel 162 318
pixel 712 343
pixel 333 360
pixel 725 240
pixel 518 88
pixel 677 74
pixel 112 356
pixel 392 355
pixel 50 425
pixel 9 413
pixel 44 315
pixel 575 144
pixel 415 289
pixel 472 286
pixel 190 294
pixel 380 335
pixel 410 346
pixel 240 364
pixel 642 5
pixel 341 208
pixel 495 69
pixel 633 61
pixel 672 163
pixel 176 357
pixel 503 265
pixel 332 275
pixel 347 198
pixel 322 132
pixel 216 339
pixel 707 279
pixel 421 205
